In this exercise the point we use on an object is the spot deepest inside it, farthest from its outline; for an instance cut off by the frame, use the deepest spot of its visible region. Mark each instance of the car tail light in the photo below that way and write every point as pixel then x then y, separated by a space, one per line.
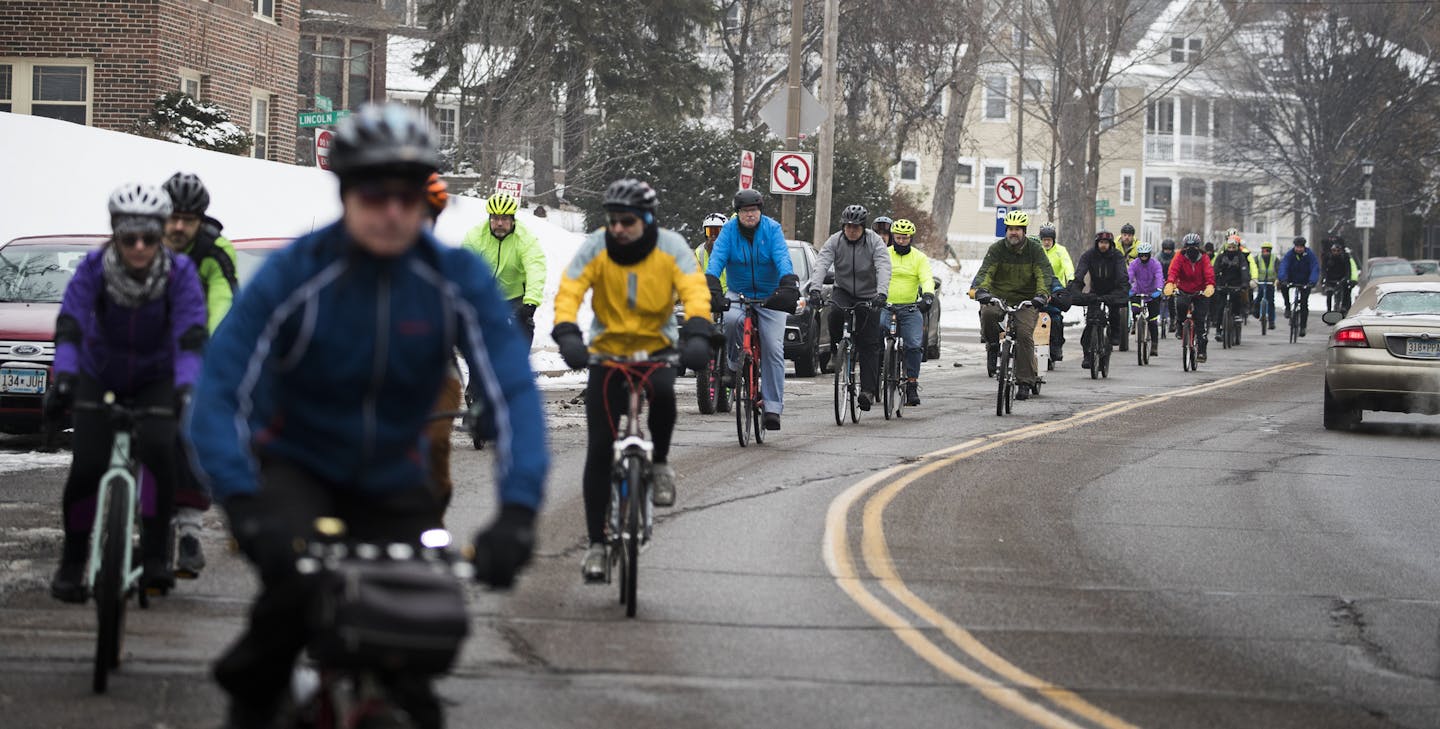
pixel 1349 337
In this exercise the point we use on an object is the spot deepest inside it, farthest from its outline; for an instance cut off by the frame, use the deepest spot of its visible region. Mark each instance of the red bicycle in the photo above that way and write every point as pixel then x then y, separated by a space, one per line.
pixel 749 405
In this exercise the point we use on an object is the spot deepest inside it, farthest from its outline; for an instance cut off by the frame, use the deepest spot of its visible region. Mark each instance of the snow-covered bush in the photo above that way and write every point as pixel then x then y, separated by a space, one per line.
pixel 176 117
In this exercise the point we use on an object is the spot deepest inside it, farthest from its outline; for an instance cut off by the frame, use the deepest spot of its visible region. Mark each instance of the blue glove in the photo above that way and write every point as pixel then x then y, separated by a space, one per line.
pixel 1155 294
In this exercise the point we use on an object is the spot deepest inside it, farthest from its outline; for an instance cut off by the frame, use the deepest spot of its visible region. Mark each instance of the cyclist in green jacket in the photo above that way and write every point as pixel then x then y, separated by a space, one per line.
pixel 1064 269
pixel 713 224
pixel 192 233
pixel 1016 270
pixel 912 293
pixel 515 256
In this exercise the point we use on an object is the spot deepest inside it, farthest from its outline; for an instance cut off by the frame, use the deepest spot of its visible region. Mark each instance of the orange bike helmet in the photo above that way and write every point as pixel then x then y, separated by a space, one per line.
pixel 437 193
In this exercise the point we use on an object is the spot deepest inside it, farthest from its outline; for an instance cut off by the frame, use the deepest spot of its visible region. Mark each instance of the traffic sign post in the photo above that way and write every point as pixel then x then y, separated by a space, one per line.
pixel 324 138
pixel 1000 211
pixel 792 173
pixel 1364 213
pixel 747 169
pixel 1009 190
pixel 308 119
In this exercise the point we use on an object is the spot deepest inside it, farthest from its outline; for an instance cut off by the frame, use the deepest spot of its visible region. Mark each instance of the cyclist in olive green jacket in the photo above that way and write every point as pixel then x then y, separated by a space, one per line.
pixel 1016 270
pixel 515 256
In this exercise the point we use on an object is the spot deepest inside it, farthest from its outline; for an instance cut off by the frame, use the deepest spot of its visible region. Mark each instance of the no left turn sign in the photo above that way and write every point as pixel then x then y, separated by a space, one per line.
pixel 1009 190
pixel 791 173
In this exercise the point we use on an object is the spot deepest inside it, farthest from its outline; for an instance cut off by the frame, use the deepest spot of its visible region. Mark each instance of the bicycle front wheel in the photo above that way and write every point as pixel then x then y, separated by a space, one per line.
pixel 1142 333
pixel 887 385
pixel 852 386
pixel 1187 344
pixel 630 533
pixel 842 368
pixel 1002 379
pixel 705 386
pixel 743 403
pixel 757 403
pixel 110 586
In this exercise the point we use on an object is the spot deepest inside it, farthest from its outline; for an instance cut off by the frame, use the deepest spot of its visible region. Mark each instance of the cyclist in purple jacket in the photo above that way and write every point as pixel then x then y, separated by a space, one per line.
pixel 1147 278
pixel 132 322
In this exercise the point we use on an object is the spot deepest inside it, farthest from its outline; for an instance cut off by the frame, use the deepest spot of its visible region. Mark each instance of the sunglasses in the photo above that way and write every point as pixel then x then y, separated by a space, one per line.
pixel 622 220
pixel 132 240
pixel 376 196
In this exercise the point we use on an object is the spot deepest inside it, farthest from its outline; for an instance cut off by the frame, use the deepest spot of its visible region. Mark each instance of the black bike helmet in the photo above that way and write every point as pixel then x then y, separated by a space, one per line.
pixel 1106 236
pixel 187 193
pixel 1191 240
pixel 854 215
pixel 384 139
pixel 1127 228
pixel 1168 244
pixel 630 194
pixel 747 198
pixel 1299 241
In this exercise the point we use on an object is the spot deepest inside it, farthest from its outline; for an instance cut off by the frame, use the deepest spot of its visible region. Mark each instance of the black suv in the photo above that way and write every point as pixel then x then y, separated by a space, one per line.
pixel 807 338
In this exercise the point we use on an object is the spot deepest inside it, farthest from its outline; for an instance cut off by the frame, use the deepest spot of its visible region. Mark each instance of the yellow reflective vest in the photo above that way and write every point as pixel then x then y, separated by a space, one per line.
pixel 909 277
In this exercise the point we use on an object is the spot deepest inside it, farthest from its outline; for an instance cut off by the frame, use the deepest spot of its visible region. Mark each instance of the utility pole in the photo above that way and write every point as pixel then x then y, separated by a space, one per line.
pixel 788 218
pixel 825 179
pixel 1019 36
pixel 1367 168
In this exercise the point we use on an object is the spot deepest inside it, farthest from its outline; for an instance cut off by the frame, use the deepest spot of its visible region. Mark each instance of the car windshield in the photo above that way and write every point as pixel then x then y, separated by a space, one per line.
pixel 800 264
pixel 247 263
pixel 36 274
pixel 1395 268
pixel 1409 302
pixel 1424 267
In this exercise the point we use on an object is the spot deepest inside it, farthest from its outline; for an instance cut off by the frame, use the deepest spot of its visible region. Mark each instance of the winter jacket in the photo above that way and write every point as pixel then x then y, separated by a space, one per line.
pixel 214 257
pixel 1015 275
pixel 634 305
pixel 755 264
pixel 1232 269
pixel 1265 268
pixel 702 257
pixel 1106 272
pixel 517 260
pixel 1339 268
pixel 1165 258
pixel 1060 263
pixel 1146 277
pixel 1191 277
pixel 127 348
pixel 332 358
pixel 910 276
pixel 862 267
pixel 1299 270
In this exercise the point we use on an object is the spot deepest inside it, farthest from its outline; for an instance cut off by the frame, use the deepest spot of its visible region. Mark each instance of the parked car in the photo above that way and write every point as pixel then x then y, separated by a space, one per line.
pixel 1385 356
pixel 34 272
pixel 251 252
pixel 1381 266
pixel 1426 267
pixel 807 333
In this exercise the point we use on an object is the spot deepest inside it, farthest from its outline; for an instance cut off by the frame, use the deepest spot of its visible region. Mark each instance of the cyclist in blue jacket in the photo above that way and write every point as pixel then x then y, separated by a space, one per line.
pixel 1300 268
pixel 318 386
pixel 752 253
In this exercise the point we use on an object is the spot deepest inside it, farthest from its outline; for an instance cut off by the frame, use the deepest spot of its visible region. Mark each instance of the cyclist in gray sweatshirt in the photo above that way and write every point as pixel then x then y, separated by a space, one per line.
pixel 862 275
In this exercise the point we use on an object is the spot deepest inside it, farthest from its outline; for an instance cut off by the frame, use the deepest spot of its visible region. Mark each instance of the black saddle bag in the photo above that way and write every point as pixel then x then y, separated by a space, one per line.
pixel 406 616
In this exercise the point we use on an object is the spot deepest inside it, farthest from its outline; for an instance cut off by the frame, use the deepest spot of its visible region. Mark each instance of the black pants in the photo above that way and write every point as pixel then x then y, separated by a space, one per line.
pixel 1057 334
pixel 1117 324
pixel 153 446
pixel 606 400
pixel 1183 302
pixel 866 338
pixel 257 668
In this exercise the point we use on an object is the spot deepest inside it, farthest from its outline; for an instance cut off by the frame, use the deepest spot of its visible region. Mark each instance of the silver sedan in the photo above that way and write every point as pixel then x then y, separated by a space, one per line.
pixel 1385 356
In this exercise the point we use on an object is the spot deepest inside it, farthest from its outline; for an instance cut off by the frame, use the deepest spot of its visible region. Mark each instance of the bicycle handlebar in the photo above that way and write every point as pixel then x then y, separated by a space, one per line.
pixel 638 358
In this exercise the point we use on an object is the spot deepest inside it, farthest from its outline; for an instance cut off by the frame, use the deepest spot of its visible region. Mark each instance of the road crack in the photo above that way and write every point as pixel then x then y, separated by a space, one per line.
pixel 1350 619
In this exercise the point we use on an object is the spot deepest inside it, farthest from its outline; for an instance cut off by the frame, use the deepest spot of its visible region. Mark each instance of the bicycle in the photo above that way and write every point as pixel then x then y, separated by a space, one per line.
pixel 1140 320
pixel 1337 295
pixel 1227 326
pixel 1167 305
pixel 1096 339
pixel 631 515
pixel 710 391
pixel 1005 361
pixel 112 574
pixel 892 367
pixel 749 405
pixel 1185 332
pixel 847 378
pixel 1300 311
pixel 1265 305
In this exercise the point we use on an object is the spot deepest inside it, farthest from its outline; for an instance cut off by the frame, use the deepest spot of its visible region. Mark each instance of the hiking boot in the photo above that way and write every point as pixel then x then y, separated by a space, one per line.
pixel 1154 348
pixel 1200 357
pixel 68 584
pixel 189 558
pixel 157 575
pixel 662 481
pixel 595 564
pixel 912 393
pixel 1022 391
pixel 1086 362
pixel 772 421
pixel 864 400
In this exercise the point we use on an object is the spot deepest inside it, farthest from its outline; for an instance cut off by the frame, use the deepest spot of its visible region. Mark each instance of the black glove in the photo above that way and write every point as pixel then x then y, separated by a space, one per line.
pixel 983 296
pixel 59 397
pixel 926 302
pixel 815 296
pixel 572 345
pixel 1061 299
pixel 1040 301
pixel 879 301
pixel 505 546
pixel 786 296
pixel 261 536
pixel 525 316
pixel 695 343
pixel 717 294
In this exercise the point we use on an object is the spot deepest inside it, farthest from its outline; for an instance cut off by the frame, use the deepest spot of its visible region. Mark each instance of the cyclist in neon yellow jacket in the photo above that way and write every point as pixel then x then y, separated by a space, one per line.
pixel 515 256
pixel 912 293
pixel 714 223
pixel 1064 269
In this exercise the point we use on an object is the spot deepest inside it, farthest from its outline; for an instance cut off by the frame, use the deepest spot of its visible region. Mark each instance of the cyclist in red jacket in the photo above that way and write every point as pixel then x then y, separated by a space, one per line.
pixel 1193 277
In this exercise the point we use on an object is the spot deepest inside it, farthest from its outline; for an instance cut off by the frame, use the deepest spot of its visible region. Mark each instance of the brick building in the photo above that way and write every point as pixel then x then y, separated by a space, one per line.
pixel 104 62
pixel 342 56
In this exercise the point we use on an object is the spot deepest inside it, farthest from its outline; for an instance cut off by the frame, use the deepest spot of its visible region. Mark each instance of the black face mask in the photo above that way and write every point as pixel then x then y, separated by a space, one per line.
pixel 633 253
pixel 901 250
pixel 1193 254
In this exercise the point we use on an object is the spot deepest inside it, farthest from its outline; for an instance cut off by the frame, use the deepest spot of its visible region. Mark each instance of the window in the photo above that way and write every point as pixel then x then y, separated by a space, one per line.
pixel 56 89
pixel 190 83
pixel 406 11
pixel 993 173
pixel 1107 107
pixel 1127 187
pixel 1160 117
pixel 1185 50
pixel 339 69
pixel 446 125
pixel 260 124
pixel 359 81
pixel 331 83
pixel 264 9
pixel 909 170
pixel 965 174
pixel 997 91
pixel 1031 178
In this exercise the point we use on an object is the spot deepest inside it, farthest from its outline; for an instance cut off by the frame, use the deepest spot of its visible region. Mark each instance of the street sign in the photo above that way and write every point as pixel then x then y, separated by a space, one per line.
pixel 514 187
pixel 323 103
pixel 1102 204
pixel 321 118
pixel 1106 212
pixel 791 173
pixel 1000 211
pixel 1009 190
pixel 747 169
pixel 324 138
pixel 775 111
pixel 1364 213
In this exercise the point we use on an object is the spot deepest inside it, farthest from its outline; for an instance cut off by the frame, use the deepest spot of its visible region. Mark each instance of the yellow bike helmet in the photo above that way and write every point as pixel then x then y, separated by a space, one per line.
pixel 902 227
pixel 502 203
pixel 1013 219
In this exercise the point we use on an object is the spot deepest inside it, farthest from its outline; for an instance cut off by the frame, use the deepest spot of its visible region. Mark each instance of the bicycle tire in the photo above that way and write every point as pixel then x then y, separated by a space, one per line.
pixel 1142 328
pixel 1105 366
pixel 705 386
pixel 852 387
pixel 743 404
pixel 632 526
pixel 1002 374
pixel 757 403
pixel 110 588
pixel 842 353
pixel 1264 317
pixel 887 385
pixel 1187 343
pixel 1094 354
pixel 1010 379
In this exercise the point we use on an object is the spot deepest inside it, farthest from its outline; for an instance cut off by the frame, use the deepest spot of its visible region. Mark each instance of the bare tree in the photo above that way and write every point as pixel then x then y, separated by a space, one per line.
pixel 963 64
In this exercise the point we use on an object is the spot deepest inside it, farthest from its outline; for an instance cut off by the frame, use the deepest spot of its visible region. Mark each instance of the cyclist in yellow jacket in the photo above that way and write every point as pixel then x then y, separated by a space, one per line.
pixel 515 256
pixel 714 223
pixel 912 293
pixel 1064 269
pixel 634 269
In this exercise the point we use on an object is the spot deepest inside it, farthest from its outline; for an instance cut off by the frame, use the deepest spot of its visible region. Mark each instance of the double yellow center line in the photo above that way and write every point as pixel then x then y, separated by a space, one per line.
pixel 1006 684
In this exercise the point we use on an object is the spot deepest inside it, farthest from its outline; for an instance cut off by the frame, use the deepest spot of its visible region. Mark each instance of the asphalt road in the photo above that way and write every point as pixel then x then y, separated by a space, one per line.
pixel 1157 549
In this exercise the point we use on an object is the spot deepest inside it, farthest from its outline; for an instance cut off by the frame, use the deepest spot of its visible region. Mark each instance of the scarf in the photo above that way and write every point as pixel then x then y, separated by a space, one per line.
pixel 632 253
pixel 901 250
pixel 127 290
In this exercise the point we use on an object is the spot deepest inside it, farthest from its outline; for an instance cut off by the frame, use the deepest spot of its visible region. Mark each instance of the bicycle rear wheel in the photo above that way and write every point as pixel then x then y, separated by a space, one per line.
pixel 638 493
pixel 1002 379
pixel 842 367
pixel 110 587
pixel 743 403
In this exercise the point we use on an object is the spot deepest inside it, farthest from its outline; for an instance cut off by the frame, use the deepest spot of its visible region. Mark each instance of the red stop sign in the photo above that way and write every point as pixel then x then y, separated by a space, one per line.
pixel 323 139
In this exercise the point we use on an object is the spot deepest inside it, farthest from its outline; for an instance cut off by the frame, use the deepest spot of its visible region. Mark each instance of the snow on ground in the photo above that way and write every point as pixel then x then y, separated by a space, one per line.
pixel 11 462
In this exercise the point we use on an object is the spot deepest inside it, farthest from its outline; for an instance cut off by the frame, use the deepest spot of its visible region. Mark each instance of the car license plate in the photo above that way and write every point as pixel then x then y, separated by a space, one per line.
pixel 22 381
pixel 1422 347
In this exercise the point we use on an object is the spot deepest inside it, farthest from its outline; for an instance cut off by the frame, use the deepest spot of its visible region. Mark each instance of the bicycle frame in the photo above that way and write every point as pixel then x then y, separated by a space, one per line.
pixel 748 403
pixel 847 385
pixel 1097 323
pixel 892 377
pixel 120 474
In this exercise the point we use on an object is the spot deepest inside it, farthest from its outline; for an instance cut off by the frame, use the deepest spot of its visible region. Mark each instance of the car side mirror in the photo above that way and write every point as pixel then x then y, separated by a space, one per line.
pixel 1332 317
pixel 830 278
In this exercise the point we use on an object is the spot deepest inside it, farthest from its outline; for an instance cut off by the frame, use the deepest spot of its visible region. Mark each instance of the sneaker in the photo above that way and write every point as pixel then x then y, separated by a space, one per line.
pixel 1302 331
pixel 1154 347
pixel 662 481
pixel 1287 312
pixel 772 421
pixel 595 564
pixel 68 584
pixel 864 400
pixel 1200 357
pixel 912 394
pixel 1086 362
pixel 157 577
pixel 1022 392
pixel 189 558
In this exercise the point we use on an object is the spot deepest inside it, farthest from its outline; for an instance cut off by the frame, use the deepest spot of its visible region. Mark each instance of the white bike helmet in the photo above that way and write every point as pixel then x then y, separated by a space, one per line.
pixel 137 206
pixel 1144 248
pixel 714 220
